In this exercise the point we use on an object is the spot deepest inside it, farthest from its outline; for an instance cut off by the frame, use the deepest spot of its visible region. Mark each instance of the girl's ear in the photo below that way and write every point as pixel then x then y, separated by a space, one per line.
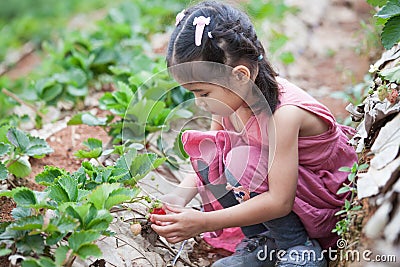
pixel 241 73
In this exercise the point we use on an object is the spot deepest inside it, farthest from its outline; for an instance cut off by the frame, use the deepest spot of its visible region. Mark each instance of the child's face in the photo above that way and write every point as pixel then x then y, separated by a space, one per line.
pixel 215 99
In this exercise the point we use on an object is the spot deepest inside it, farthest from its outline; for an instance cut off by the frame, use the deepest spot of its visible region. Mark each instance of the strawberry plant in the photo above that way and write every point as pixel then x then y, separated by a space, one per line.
pixel 351 205
pixel 95 149
pixel 54 227
pixel 388 16
pixel 15 149
pixel 85 60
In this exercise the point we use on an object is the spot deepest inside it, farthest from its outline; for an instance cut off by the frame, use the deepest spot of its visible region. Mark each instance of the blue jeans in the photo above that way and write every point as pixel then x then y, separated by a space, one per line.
pixel 287 231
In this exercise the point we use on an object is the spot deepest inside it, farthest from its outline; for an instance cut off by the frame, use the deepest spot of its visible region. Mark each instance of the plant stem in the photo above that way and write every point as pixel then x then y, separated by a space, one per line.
pixel 22 102
pixel 13 161
pixel 98 161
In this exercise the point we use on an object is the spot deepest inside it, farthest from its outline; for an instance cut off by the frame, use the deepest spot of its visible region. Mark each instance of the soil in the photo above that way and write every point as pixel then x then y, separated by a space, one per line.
pixel 345 67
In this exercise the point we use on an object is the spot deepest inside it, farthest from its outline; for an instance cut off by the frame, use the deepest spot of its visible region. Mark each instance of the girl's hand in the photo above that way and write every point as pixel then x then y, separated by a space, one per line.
pixel 182 224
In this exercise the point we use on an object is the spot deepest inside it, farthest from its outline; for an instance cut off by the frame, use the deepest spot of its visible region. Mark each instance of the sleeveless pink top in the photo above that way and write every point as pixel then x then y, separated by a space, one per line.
pixel 319 179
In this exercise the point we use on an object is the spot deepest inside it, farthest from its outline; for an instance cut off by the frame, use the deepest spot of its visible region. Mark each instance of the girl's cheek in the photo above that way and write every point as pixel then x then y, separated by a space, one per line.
pixel 220 109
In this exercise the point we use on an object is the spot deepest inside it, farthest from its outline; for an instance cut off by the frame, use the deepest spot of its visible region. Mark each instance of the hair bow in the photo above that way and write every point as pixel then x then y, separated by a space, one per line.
pixel 200 23
pixel 179 17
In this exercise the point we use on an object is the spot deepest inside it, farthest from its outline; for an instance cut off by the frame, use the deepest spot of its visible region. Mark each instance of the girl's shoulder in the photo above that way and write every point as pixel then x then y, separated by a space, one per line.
pixel 291 94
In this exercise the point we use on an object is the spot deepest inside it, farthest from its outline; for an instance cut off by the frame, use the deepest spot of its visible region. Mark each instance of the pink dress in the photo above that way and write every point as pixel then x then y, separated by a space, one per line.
pixel 245 155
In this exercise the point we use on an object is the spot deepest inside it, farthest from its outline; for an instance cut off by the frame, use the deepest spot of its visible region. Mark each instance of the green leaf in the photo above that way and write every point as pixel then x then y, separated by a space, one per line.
pixel 178 146
pixel 4 149
pixel 287 57
pixel 25 197
pixel 345 169
pixel 61 255
pixel 340 212
pixel 119 196
pixel 125 161
pixel 77 78
pixel 77 92
pixel 100 222
pixel 3 171
pixel 347 204
pixel 30 263
pixel 20 168
pixel 21 212
pixel 41 262
pixel 343 190
pixel 95 147
pixel 49 175
pixel 50 93
pixel 391 9
pixel 354 167
pixel 355 208
pixel 278 40
pixel 392 74
pixel 3 133
pixel 65 223
pixel 148 111
pixel 93 143
pixel 378 3
pixel 31 243
pixel 78 239
pixel 5 252
pixel 88 250
pixel 88 119
pixel 83 154
pixel 38 146
pixel 100 195
pixel 391 32
pixel 351 177
pixel 143 164
pixel 28 223
pixel 64 190
pixel 363 167
pixel 18 138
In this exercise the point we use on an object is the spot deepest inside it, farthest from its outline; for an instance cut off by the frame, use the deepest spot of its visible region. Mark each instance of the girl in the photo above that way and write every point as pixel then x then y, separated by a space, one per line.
pixel 270 163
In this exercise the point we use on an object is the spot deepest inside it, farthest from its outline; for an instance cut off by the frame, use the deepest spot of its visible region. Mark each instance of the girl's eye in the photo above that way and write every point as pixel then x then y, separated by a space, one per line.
pixel 204 95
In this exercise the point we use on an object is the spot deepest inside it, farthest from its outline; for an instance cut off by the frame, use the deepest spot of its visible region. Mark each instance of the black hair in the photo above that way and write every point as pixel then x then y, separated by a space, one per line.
pixel 233 40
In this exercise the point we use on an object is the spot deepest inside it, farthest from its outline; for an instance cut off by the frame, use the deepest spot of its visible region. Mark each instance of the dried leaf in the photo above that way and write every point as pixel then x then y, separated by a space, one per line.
pixel 384 157
pixel 388 56
pixel 392 230
pixel 366 187
pixel 369 183
pixel 389 135
pixel 376 224
pixel 396 186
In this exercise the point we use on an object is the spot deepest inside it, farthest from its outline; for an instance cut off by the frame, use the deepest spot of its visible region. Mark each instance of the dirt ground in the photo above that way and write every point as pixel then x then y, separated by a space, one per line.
pixel 318 73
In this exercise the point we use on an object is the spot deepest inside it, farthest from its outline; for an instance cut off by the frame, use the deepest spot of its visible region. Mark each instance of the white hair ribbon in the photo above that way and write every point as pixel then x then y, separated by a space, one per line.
pixel 200 23
pixel 179 17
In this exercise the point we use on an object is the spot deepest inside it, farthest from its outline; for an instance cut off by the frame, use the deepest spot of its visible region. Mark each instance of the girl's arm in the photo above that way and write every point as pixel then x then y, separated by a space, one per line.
pixel 275 203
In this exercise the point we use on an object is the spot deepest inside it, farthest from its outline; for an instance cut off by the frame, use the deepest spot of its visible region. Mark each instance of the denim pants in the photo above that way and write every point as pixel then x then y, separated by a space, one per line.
pixel 287 231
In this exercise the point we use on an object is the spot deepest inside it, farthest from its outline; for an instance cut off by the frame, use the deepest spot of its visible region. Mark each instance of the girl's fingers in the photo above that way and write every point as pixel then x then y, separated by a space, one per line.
pixel 163 218
pixel 165 231
pixel 174 209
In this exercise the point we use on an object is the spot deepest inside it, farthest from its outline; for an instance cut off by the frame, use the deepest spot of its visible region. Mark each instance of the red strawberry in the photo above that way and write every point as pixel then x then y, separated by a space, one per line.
pixel 392 96
pixel 157 208
pixel 159 211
